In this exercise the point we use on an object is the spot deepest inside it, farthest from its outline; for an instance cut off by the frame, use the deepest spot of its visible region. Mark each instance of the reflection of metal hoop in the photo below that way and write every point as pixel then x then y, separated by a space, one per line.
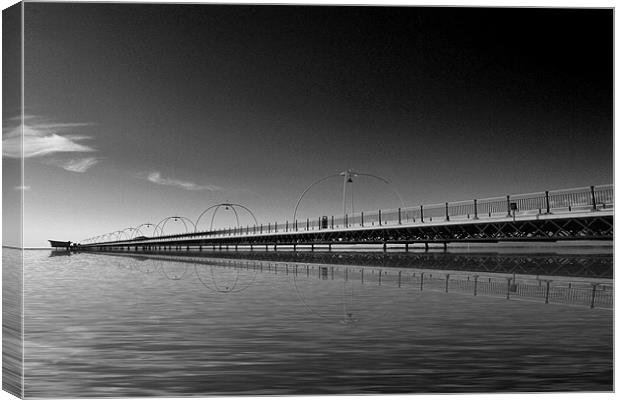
pixel 173 278
pixel 217 207
pixel 230 289
pixel 140 264
pixel 157 264
pixel 161 225
pixel 312 310
pixel 346 299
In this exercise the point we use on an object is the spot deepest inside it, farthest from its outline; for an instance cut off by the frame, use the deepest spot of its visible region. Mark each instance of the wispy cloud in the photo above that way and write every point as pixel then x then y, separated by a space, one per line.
pixel 156 178
pixel 21 187
pixel 76 165
pixel 41 138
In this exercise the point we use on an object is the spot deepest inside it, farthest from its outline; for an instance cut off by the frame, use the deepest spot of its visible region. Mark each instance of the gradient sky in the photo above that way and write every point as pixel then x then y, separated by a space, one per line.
pixel 137 112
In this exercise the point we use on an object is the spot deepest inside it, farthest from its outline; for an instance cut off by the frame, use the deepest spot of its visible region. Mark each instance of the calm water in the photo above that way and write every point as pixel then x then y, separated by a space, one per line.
pixel 106 325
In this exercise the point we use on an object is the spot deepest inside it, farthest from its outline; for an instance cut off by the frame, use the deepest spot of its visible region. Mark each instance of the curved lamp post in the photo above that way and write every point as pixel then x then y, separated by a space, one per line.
pixel 164 221
pixel 137 229
pixel 348 176
pixel 128 236
pixel 227 206
pixel 117 235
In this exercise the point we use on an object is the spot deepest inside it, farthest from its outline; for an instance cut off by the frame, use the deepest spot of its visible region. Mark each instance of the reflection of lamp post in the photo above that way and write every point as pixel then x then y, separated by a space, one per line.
pixel 347 178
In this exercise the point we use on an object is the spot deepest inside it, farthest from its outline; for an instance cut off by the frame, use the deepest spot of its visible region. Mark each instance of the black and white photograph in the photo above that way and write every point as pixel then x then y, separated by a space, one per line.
pixel 227 199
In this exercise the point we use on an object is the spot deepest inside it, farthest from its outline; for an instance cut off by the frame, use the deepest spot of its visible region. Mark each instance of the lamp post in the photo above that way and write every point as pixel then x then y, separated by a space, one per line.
pixel 348 176
pixel 160 226
pixel 138 229
pixel 227 206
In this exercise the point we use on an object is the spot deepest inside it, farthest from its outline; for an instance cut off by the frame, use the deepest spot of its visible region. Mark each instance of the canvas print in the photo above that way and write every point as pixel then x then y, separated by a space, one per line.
pixel 226 199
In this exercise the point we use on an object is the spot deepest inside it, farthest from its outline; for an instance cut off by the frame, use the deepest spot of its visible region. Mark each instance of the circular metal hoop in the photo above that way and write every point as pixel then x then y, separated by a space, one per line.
pixel 172 277
pixel 162 224
pixel 215 209
pixel 138 230
pixel 348 174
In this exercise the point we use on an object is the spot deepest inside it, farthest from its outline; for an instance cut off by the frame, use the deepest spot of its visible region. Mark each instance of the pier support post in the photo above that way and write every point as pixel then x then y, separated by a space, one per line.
pixel 508 288
pixel 547 292
pixel 421 281
pixel 406 247
pixel 425 246
pixel 593 198
pixel 475 209
pixel 421 213
pixel 476 285
pixel 447 215
pixel 447 281
pixel 547 201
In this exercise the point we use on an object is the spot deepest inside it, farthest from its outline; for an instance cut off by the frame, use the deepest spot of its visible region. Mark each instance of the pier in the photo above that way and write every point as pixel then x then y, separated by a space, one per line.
pixel 581 214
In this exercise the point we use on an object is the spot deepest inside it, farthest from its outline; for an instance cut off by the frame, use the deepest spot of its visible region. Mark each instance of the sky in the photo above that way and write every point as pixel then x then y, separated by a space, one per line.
pixel 137 112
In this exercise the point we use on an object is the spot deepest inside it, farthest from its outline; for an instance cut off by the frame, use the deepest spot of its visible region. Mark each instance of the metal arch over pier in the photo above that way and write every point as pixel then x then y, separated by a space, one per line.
pixel 574 214
pixel 216 207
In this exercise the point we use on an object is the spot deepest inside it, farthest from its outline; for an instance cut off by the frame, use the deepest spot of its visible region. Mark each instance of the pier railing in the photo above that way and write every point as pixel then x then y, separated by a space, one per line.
pixel 592 198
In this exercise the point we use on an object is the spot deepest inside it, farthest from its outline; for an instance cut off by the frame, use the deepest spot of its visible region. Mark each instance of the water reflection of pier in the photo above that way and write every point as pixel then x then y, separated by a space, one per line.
pixel 507 284
pixel 598 266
